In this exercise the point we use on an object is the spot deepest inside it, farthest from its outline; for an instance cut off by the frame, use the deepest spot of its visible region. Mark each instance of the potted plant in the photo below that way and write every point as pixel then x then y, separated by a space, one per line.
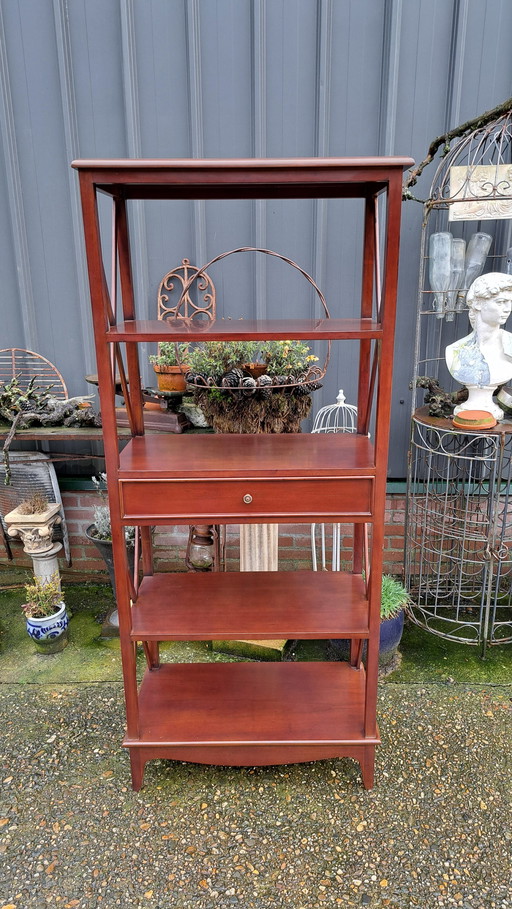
pixel 169 365
pixel 244 386
pixel 394 599
pixel 100 534
pixel 33 521
pixel 45 612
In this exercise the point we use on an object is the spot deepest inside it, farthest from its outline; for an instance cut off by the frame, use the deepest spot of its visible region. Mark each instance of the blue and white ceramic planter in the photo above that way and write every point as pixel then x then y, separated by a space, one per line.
pixel 51 632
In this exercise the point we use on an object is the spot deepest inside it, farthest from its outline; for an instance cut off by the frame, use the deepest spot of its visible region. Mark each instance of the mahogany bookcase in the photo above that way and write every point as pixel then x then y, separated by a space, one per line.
pixel 278 712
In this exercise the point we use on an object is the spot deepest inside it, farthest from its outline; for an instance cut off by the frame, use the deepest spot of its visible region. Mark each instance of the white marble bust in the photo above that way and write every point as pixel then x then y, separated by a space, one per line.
pixel 483 359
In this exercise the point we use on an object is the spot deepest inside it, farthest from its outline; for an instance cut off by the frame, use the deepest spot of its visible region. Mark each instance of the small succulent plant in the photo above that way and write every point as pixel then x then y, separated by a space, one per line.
pixel 393 597
pixel 36 504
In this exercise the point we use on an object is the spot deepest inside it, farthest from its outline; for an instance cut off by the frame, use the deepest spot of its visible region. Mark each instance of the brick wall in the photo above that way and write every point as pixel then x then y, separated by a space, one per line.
pixel 170 542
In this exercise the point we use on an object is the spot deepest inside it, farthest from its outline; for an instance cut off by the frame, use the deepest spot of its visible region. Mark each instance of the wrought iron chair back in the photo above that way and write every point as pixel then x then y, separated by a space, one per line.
pixel 27 365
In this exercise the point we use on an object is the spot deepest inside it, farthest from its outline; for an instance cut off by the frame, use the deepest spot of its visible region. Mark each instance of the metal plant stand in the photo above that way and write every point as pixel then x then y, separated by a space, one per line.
pixel 459 531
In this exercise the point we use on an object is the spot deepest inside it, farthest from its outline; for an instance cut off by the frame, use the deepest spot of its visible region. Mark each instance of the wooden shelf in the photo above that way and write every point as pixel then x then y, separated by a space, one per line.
pixel 246 329
pixel 204 704
pixel 58 433
pixel 250 605
pixel 244 456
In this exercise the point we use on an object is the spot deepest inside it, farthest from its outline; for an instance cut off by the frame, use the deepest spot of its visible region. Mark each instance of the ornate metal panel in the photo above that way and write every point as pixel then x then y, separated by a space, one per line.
pixel 180 297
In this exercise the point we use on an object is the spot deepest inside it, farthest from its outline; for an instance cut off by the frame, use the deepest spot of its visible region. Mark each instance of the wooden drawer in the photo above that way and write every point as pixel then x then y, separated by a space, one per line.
pixel 249 500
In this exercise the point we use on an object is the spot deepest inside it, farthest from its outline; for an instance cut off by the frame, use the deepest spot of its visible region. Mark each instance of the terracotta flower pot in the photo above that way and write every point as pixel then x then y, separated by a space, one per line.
pixel 171 378
pixel 255 369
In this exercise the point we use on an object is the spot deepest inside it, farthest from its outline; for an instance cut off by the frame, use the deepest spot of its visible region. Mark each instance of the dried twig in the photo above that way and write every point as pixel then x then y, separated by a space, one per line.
pixel 459 132
pixel 10 437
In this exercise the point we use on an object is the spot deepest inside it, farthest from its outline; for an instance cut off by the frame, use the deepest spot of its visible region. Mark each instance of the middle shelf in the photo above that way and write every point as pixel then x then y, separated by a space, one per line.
pixel 262 605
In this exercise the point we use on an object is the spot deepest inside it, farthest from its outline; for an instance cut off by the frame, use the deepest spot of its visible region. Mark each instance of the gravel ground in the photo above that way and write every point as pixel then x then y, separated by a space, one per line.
pixel 435 831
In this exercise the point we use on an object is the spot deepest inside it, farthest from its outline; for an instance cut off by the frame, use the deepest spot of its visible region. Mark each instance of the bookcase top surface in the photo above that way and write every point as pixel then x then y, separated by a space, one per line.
pixel 241 177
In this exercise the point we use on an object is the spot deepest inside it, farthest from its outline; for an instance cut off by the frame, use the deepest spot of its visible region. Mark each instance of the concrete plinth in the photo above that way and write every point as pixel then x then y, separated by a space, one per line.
pixel 46 563
pixel 259 547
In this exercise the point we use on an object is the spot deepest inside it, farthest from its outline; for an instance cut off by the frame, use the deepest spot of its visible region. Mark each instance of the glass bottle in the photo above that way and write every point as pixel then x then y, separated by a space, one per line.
pixel 457 265
pixel 440 268
pixel 476 254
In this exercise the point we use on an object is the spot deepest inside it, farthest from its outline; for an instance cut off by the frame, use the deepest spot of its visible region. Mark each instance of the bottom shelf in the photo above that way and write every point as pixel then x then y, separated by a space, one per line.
pixel 248 714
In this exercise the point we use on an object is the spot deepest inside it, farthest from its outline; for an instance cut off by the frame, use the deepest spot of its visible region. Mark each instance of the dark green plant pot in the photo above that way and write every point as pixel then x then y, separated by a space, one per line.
pixel 390 636
pixel 110 626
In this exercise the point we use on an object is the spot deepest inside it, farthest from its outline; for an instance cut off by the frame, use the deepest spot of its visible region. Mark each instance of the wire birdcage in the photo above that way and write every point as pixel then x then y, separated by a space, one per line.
pixel 470 196
pixel 339 417
pixel 458 520
pixel 458 564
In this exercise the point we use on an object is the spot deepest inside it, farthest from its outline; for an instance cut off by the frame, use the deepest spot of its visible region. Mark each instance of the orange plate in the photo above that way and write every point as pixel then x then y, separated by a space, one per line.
pixel 474 419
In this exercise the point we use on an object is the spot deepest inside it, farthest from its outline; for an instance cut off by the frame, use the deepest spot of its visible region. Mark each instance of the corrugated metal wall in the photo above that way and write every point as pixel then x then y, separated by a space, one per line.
pixel 172 78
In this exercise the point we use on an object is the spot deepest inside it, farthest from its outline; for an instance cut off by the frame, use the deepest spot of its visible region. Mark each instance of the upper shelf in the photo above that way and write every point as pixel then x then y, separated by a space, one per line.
pixel 245 329
pixel 247 178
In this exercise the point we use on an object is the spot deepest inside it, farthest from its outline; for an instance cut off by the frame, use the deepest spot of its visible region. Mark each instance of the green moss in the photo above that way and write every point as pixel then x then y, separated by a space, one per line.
pixel 90 658
pixel 427 657
pixel 86 658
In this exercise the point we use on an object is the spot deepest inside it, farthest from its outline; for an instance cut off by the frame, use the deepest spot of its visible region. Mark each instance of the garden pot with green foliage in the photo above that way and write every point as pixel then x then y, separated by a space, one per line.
pixel 100 534
pixel 45 614
pixel 168 366
pixel 104 547
pixel 394 599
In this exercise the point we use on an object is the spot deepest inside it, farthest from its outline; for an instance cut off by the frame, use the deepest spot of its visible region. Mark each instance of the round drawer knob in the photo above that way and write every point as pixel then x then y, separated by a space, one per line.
pixel 247 499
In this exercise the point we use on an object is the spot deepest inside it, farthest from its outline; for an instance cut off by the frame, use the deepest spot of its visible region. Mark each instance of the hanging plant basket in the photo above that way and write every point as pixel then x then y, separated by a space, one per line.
pixel 230 413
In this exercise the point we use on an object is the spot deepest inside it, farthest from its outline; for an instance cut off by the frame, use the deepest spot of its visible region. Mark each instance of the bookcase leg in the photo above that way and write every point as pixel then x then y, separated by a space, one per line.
pixel 137 764
pixel 367 762
pixel 356 652
pixel 152 651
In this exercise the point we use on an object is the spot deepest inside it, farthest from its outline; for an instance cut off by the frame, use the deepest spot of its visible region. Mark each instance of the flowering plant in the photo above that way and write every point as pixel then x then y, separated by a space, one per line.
pixel 44 597
pixel 287 356
pixel 213 360
pixel 250 386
